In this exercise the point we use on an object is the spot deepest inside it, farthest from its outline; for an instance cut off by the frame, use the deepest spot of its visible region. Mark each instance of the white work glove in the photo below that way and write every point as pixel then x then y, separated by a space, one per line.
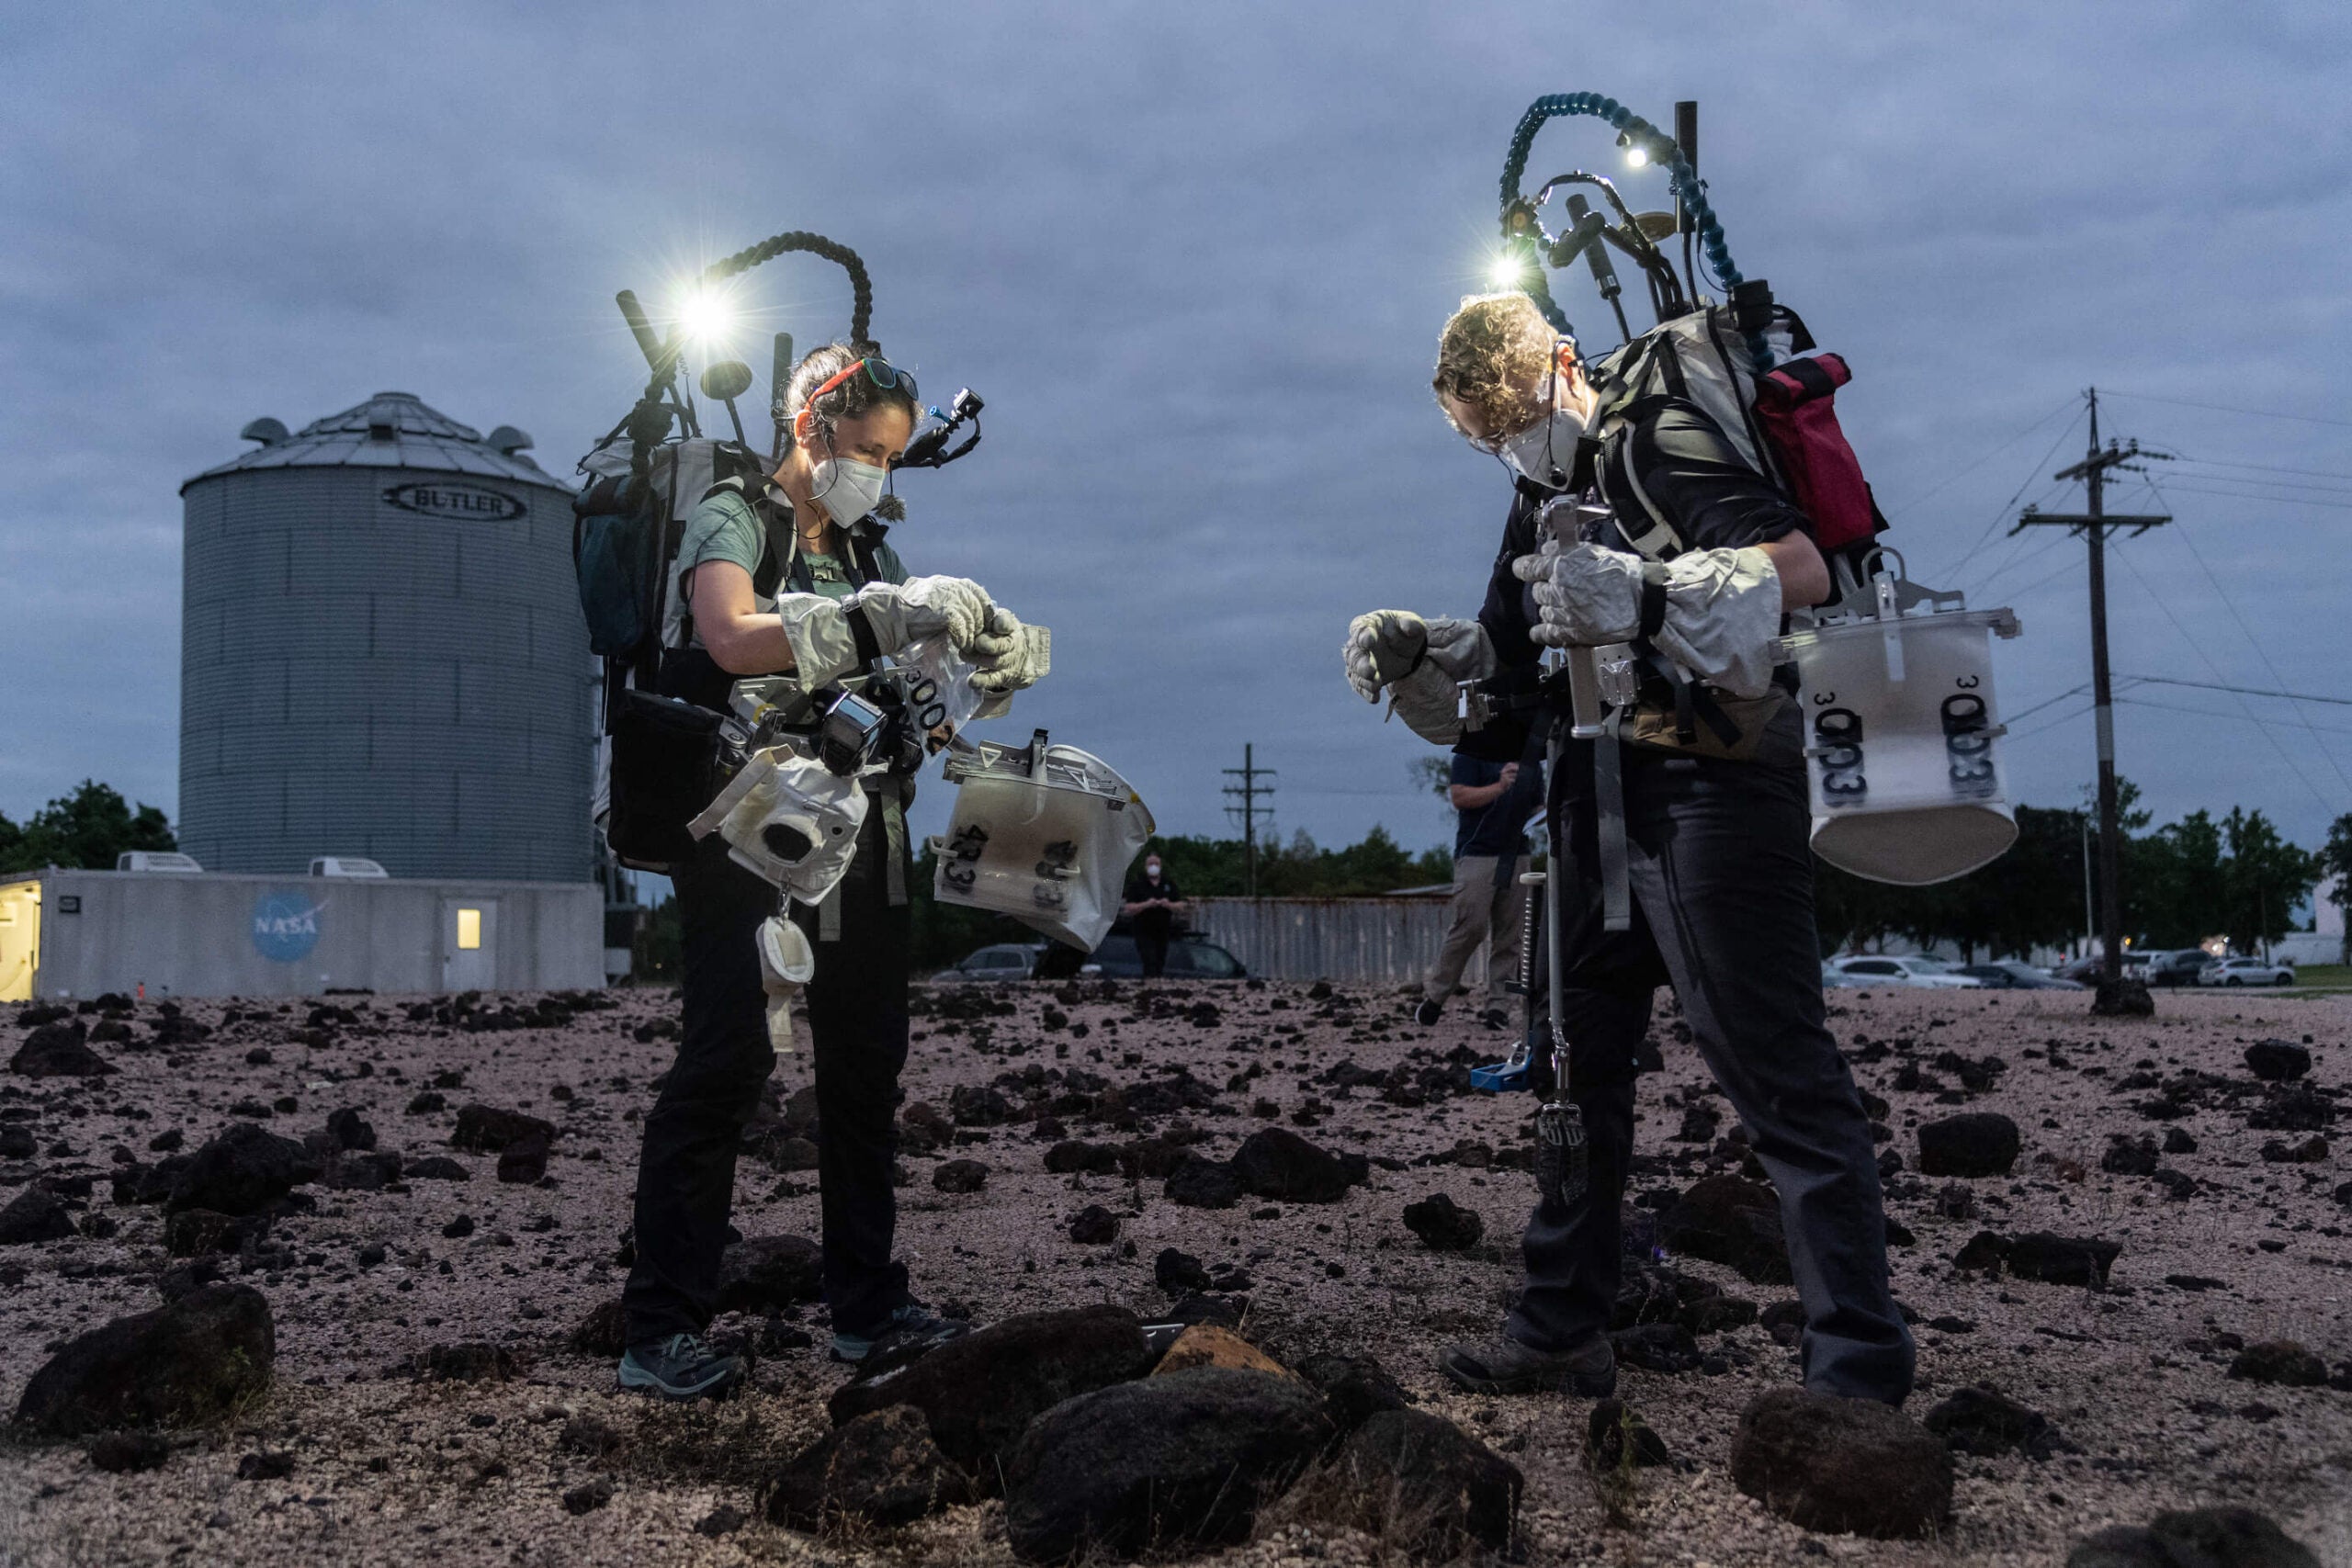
pixel 1722 618
pixel 900 613
pixel 1384 647
pixel 1585 597
pixel 1011 655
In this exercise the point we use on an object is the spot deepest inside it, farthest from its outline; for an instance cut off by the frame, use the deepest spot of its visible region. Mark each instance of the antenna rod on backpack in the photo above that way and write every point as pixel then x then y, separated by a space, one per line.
pixel 1686 136
pixel 779 381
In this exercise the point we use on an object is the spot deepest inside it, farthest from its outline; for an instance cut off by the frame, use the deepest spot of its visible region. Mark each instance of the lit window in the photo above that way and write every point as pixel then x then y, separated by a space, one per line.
pixel 469 929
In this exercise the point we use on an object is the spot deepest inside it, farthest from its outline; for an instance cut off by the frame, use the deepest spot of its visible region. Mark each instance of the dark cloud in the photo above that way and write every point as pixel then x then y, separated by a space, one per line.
pixel 1195 258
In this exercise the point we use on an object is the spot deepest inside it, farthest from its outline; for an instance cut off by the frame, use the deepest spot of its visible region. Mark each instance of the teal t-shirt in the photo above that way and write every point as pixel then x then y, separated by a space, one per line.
pixel 726 528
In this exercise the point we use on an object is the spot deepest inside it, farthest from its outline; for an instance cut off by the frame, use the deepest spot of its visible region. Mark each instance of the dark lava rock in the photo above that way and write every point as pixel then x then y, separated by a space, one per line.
pixel 56 1051
pixel 1984 1143
pixel 1726 1220
pixel 1354 1388
pixel 1842 1465
pixel 2282 1361
pixel 979 1105
pixel 881 1469
pixel 436 1168
pixel 349 1130
pixel 1177 1272
pixel 36 1215
pixel 1614 1437
pixel 1277 1163
pixel 1094 1225
pixel 127 1454
pixel 1982 1421
pixel 265 1466
pixel 486 1129
pixel 198 1357
pixel 2038 1255
pixel 588 1496
pixel 474 1361
pixel 1649 1292
pixel 2130 1157
pixel 2277 1061
pixel 768 1273
pixel 2123 999
pixel 242 1170
pixel 17 1142
pixel 1072 1157
pixel 522 1162
pixel 362 1172
pixel 1657 1347
pixel 1418 1482
pixel 192 1233
pixel 1202 1184
pixel 459 1228
pixel 1181 1461
pixel 2178 1141
pixel 2298 1110
pixel 960 1176
pixel 604 1332
pixel 1442 1224
pixel 725 1519
pixel 981 1391
pixel 2199 1538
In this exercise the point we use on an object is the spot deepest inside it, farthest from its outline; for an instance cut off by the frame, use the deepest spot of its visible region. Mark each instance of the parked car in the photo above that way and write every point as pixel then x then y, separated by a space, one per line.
pixel 2246 972
pixel 998 960
pixel 1189 958
pixel 2016 975
pixel 1876 969
pixel 2180 968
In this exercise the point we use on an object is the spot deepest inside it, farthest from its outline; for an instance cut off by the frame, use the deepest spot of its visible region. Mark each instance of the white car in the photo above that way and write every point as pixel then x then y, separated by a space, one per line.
pixel 1874 969
pixel 2245 972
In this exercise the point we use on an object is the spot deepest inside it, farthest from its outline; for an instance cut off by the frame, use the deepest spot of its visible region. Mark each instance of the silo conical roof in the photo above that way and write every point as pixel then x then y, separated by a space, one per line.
pixel 390 430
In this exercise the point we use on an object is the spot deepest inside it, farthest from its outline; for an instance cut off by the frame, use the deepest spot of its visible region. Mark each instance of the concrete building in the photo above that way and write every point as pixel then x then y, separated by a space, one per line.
pixel 382 654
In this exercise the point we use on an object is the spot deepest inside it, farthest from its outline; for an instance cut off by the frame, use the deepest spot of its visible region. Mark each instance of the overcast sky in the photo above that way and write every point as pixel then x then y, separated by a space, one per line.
pixel 1195 257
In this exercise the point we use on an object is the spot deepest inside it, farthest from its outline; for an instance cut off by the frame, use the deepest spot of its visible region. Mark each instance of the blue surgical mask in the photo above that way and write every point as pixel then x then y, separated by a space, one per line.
pixel 846 488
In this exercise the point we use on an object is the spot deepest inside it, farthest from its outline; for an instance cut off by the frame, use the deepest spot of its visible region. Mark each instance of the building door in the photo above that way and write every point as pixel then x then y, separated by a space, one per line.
pixel 19 941
pixel 469 944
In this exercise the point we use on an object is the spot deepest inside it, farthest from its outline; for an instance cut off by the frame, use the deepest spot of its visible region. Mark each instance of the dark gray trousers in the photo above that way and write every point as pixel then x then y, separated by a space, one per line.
pixel 1722 880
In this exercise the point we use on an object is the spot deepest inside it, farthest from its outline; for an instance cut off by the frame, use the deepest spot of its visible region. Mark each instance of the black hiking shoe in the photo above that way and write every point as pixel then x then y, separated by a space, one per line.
pixel 683 1366
pixel 912 1327
pixel 1427 1013
pixel 1503 1365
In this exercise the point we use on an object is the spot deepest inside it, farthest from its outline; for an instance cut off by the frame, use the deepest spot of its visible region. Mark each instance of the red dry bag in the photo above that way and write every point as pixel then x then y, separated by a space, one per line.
pixel 1796 403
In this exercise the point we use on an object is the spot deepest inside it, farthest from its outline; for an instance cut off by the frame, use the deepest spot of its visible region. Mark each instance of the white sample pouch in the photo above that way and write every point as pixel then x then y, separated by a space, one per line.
pixel 1902 734
pixel 788 962
pixel 1043 833
pixel 788 819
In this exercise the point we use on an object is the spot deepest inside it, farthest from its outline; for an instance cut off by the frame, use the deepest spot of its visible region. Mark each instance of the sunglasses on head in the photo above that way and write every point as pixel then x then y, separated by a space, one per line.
pixel 878 370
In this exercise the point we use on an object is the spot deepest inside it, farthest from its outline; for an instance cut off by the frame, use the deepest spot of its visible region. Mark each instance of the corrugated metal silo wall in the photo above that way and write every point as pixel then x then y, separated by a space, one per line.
pixel 361 678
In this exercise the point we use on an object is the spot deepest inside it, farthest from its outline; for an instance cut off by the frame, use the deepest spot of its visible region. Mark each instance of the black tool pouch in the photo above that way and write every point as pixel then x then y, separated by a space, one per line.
pixel 664 771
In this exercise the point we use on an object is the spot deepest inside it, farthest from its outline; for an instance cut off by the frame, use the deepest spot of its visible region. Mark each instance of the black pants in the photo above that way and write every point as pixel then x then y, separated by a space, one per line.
pixel 857 1017
pixel 1151 948
pixel 1722 880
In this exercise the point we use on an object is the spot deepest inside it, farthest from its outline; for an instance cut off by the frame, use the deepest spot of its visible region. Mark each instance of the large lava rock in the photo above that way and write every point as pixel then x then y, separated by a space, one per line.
pixel 36 1215
pixel 2197 1538
pixel 2039 1255
pixel 1355 1388
pixel 1202 1184
pixel 1842 1465
pixel 1183 1460
pixel 881 1469
pixel 487 1130
pixel 242 1170
pixel 1984 1421
pixel 1726 1220
pixel 1277 1163
pixel 981 1391
pixel 769 1273
pixel 193 1360
pixel 2277 1061
pixel 1984 1143
pixel 1421 1482
pixel 2280 1362
pixel 56 1051
pixel 1442 1224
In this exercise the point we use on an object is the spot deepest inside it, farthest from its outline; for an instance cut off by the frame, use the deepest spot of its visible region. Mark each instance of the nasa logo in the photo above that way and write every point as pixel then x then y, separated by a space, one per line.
pixel 466 503
pixel 286 927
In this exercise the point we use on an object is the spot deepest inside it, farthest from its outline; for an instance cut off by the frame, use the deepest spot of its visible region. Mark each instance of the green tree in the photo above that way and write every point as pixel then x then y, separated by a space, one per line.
pixel 2335 865
pixel 2262 880
pixel 86 829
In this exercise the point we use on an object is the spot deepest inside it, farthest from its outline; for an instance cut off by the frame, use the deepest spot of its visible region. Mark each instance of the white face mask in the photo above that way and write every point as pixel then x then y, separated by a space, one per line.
pixel 846 488
pixel 1152 871
pixel 1545 452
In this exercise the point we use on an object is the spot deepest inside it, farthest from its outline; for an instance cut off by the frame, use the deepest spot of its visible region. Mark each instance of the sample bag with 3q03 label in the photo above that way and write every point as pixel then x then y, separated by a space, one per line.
pixel 1043 833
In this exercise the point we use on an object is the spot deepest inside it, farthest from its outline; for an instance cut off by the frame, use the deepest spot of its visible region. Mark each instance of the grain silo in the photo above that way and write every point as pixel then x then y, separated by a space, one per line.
pixel 383 654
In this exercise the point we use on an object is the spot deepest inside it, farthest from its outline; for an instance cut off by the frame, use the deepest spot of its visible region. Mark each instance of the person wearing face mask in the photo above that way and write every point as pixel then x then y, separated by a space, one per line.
pixel 1152 907
pixel 792 575
pixel 1681 551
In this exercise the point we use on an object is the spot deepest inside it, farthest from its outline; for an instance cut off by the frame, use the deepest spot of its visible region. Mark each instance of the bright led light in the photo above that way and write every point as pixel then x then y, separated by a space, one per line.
pixel 1507 271
pixel 1637 156
pixel 705 316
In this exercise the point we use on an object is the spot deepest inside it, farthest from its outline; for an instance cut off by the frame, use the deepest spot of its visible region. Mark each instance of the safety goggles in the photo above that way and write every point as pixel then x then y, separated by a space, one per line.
pixel 878 370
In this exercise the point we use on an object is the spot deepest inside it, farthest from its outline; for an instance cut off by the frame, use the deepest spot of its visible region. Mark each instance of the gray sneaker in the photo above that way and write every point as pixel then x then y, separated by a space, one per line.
pixel 912 1327
pixel 1503 1365
pixel 684 1366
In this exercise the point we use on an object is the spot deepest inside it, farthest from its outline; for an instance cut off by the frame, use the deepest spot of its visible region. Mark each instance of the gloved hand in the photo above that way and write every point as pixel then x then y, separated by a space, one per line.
pixel 1722 618
pixel 901 612
pixel 1011 655
pixel 1585 596
pixel 1385 646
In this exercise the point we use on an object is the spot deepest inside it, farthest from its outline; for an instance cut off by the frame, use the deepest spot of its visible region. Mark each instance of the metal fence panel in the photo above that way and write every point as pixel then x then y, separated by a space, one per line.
pixel 1390 942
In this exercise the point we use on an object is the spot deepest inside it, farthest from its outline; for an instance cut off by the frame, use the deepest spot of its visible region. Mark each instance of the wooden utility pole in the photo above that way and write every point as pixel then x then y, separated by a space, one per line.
pixel 1248 792
pixel 2093 524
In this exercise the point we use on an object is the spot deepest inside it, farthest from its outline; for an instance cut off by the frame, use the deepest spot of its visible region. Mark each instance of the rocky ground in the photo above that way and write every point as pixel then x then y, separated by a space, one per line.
pixel 2159 1273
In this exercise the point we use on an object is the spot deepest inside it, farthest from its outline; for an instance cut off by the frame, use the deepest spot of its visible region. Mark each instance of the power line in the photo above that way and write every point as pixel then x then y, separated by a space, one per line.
pixel 2224 408
pixel 2002 516
pixel 1909 501
pixel 2212 713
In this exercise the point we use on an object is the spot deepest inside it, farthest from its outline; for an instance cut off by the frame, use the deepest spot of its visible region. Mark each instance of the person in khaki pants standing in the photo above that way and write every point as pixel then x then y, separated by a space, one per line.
pixel 1492 802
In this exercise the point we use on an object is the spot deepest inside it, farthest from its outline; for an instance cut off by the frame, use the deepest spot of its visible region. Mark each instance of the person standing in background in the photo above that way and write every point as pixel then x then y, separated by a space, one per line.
pixel 1492 802
pixel 1152 907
